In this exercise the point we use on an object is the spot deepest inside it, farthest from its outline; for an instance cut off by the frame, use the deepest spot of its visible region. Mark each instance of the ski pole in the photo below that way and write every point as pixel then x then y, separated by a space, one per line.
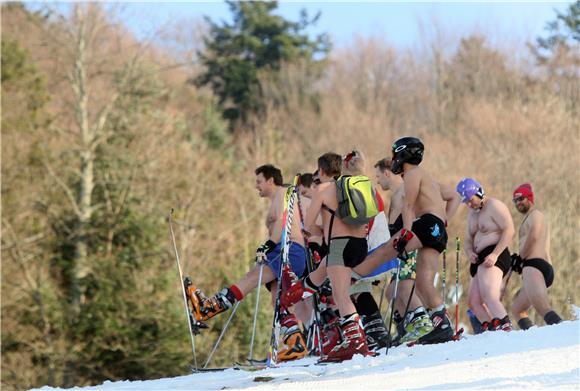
pixel 222 333
pixel 182 288
pixel 310 265
pixel 392 304
pixel 443 274
pixel 256 312
pixel 385 284
pixel 457 249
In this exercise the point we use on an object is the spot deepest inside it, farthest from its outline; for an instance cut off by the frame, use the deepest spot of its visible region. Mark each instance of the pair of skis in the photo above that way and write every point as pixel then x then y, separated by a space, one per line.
pixel 290 199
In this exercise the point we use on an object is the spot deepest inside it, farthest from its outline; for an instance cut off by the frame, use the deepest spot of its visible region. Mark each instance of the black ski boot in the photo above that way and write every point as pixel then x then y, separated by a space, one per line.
pixel 376 332
pixel 442 328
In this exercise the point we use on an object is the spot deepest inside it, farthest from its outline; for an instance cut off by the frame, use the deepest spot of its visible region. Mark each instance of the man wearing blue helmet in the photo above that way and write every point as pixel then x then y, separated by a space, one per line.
pixel 423 229
pixel 490 230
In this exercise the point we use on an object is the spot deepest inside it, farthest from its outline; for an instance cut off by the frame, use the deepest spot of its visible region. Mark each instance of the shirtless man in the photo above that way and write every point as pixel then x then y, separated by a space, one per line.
pixel 423 230
pixel 415 323
pixel 347 248
pixel 533 262
pixel 490 230
pixel 269 184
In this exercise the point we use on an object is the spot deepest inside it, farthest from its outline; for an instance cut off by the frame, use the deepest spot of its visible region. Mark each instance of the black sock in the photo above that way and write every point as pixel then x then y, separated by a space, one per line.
pixel 365 304
pixel 552 318
pixel 525 323
pixel 309 284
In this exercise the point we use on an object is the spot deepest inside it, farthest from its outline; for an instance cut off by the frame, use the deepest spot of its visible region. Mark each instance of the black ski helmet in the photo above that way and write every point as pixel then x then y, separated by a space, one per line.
pixel 406 150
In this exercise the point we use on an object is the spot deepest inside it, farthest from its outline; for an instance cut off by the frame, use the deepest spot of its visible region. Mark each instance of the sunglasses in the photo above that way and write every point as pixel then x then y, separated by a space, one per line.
pixel 518 199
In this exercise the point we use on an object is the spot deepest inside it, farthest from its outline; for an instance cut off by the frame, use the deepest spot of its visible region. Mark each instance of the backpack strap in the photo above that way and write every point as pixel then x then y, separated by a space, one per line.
pixel 331 211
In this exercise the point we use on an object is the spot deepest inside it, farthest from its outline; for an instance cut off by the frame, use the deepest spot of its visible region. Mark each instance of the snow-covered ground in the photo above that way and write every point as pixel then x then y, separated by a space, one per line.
pixel 540 358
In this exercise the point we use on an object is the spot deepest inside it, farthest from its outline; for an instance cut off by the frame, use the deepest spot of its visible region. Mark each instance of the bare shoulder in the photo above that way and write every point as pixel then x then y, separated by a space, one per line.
pixel 279 198
pixel 536 216
pixel 497 205
pixel 415 172
pixel 326 187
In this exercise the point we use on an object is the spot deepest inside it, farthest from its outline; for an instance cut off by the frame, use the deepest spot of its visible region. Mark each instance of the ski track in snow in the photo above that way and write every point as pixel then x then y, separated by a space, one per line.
pixel 539 358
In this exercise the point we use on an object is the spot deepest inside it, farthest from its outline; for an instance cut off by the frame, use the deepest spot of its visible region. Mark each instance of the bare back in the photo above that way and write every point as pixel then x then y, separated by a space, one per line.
pixel 534 236
pixel 326 195
pixel 274 219
pixel 423 193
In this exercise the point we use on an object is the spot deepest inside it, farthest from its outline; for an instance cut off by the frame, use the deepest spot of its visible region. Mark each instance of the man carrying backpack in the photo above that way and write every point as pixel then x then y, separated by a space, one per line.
pixel 423 230
pixel 347 248
pixel 361 290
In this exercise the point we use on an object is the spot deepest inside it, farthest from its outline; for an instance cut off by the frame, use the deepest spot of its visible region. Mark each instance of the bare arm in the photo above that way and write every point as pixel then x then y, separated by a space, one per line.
pixel 276 209
pixel 312 214
pixel 452 200
pixel 468 242
pixel 503 219
pixel 535 222
pixel 412 183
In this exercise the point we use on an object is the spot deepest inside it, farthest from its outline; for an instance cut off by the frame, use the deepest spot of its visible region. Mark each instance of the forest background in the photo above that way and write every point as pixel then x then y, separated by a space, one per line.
pixel 102 134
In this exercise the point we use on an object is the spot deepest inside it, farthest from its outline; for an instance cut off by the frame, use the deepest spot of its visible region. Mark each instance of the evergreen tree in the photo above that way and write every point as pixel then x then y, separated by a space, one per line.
pixel 559 54
pixel 257 40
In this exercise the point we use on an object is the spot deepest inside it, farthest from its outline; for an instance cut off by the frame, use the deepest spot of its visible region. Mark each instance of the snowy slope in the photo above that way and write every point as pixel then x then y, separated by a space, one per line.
pixel 540 358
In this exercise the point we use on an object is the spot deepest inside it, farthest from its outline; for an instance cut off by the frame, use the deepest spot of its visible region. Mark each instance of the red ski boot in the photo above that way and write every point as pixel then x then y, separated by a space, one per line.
pixel 354 341
pixel 503 324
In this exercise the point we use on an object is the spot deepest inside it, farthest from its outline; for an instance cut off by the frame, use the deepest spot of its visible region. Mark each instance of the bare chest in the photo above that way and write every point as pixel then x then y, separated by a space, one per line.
pixel 482 224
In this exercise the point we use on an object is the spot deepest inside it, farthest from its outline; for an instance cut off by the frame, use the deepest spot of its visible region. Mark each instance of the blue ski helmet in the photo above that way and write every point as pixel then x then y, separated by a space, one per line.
pixel 406 150
pixel 468 187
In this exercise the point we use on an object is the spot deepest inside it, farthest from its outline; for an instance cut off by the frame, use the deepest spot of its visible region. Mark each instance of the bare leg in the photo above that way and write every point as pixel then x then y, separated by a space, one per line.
pixel 250 280
pixel 427 265
pixel 383 254
pixel 475 302
pixel 303 310
pixel 319 275
pixel 404 290
pixel 520 305
pixel 340 282
pixel 490 279
pixel 535 289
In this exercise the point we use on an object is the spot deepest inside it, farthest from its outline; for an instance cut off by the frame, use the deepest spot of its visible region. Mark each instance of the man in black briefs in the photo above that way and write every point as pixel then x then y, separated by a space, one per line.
pixel 533 262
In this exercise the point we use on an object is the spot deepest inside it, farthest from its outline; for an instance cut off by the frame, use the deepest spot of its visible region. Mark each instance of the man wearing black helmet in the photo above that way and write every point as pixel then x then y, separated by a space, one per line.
pixel 423 230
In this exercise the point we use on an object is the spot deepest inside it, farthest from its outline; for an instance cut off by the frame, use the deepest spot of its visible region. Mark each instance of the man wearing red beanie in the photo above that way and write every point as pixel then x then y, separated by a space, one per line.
pixel 533 262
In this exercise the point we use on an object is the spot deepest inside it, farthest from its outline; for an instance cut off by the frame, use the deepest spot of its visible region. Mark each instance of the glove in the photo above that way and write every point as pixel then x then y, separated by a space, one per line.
pixel 263 251
pixel 517 263
pixel 401 243
pixel 322 250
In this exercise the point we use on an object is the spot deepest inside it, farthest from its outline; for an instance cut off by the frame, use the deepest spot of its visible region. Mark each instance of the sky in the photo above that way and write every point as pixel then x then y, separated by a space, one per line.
pixel 541 358
pixel 397 22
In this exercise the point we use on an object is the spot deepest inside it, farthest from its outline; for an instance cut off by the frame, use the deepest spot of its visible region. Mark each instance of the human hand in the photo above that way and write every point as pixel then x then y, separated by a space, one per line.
pixel 473 257
pixel 400 243
pixel 490 260
pixel 263 251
